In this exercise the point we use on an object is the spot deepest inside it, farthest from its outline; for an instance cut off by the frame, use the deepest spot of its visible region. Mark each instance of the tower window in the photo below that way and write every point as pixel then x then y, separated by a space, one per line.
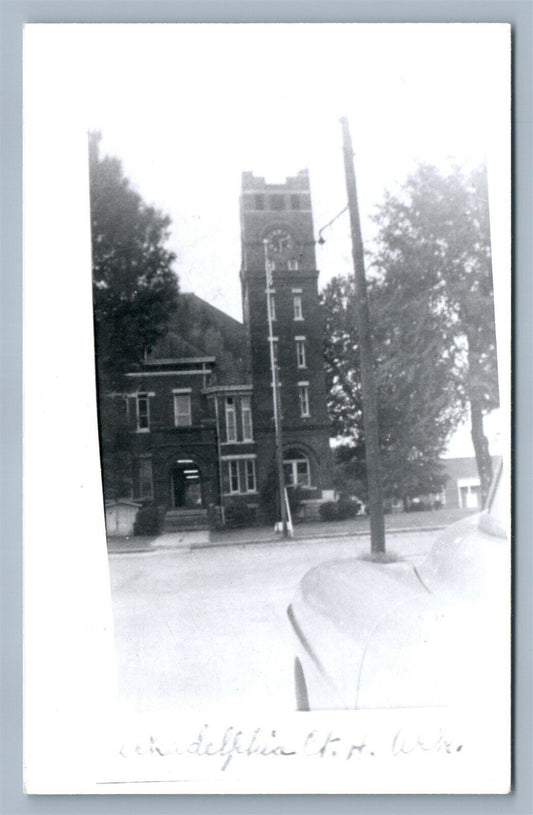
pixel 295 202
pixel 231 419
pixel 292 264
pixel 275 346
pixel 143 412
pixel 259 201
pixel 272 301
pixel 300 352
pixel 246 411
pixel 297 305
pixel 303 397
pixel 277 202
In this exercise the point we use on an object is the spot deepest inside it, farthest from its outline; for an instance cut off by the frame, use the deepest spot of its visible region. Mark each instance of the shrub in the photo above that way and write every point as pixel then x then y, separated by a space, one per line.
pixel 328 511
pixel 347 508
pixel 339 510
pixel 148 521
pixel 239 514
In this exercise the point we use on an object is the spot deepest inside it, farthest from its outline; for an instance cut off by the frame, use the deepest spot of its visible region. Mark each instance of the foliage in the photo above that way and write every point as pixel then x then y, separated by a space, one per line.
pixel 433 332
pixel 238 514
pixel 434 263
pixel 148 521
pixel 134 293
pixel 134 287
pixel 339 510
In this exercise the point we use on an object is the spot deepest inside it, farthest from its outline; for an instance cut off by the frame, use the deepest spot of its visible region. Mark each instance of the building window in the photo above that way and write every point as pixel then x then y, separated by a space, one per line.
pixel 249 467
pixel 469 493
pixel 292 264
pixel 143 412
pixel 297 304
pixel 233 475
pixel 231 419
pixel 277 202
pixel 300 352
pixel 295 202
pixel 182 410
pixel 246 411
pixel 272 300
pixel 142 479
pixel 296 469
pixel 303 396
pixel 259 201
pixel 274 342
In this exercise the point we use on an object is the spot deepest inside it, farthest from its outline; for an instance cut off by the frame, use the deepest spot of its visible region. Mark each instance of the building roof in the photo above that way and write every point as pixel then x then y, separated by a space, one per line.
pixel 199 329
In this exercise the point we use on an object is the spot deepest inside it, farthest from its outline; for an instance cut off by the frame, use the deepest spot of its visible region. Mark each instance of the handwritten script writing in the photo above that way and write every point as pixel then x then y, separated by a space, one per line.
pixel 232 742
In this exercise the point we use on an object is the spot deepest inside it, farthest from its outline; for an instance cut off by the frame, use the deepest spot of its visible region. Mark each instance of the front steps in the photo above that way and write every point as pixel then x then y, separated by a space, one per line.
pixel 186 520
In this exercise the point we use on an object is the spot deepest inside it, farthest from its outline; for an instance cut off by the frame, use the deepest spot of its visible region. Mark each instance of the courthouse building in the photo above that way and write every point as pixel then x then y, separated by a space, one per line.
pixel 200 408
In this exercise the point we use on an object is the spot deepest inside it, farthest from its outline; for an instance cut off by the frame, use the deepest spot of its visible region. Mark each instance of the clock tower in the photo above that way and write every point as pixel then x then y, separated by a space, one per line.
pixel 279 263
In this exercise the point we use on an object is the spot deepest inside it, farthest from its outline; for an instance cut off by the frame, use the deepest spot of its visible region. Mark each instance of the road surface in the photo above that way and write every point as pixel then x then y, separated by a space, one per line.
pixel 208 630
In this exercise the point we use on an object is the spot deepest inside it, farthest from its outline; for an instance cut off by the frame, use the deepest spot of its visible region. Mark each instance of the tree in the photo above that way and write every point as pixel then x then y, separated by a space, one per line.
pixel 135 291
pixel 433 331
pixel 414 413
pixel 434 259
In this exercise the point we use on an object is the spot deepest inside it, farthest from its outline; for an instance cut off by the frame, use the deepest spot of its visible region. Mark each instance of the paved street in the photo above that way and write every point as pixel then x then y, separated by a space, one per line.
pixel 201 628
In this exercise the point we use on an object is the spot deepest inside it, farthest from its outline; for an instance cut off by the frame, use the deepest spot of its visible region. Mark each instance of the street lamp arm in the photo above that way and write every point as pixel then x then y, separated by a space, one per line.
pixel 321 240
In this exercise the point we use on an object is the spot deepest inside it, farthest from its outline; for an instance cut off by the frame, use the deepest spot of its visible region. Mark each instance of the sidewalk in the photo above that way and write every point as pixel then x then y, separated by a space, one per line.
pixel 360 526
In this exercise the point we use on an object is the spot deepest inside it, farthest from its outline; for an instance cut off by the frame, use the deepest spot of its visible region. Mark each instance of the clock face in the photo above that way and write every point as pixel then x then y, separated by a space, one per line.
pixel 279 242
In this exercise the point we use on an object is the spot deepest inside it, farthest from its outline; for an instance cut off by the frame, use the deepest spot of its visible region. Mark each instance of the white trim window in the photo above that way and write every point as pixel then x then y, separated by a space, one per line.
pixel 246 415
pixel 296 469
pixel 303 398
pixel 233 476
pixel 143 479
pixel 297 306
pixel 143 412
pixel 249 472
pixel 300 352
pixel 231 419
pixel 182 409
pixel 292 264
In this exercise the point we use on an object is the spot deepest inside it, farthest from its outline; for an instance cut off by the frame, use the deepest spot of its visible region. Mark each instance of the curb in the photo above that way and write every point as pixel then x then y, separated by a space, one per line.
pixel 315 537
pixel 189 547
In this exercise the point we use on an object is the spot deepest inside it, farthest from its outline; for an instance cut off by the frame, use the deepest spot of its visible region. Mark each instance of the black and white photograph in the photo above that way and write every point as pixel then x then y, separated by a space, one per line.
pixel 267 408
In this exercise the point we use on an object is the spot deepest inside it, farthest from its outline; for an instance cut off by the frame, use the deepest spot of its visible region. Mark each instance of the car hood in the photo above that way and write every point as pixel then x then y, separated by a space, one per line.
pixel 389 634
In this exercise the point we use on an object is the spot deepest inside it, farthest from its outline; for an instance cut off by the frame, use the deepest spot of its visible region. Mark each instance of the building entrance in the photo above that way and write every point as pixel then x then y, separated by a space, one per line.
pixel 186 485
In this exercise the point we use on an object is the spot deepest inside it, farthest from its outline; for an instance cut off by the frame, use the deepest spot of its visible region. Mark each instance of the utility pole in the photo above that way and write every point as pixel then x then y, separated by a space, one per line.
pixel 269 268
pixel 368 382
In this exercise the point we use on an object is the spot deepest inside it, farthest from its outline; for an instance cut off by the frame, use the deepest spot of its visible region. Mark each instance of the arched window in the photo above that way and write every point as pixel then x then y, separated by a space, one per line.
pixel 296 468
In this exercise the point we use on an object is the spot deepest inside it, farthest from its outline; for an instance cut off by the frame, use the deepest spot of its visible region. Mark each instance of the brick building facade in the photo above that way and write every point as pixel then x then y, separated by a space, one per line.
pixel 200 409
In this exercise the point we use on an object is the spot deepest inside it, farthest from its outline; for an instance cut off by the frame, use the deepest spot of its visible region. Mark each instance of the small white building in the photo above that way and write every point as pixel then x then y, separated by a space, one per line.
pixel 120 516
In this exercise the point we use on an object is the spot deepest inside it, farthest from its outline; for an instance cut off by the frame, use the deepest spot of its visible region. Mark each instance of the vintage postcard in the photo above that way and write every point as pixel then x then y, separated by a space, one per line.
pixel 267 382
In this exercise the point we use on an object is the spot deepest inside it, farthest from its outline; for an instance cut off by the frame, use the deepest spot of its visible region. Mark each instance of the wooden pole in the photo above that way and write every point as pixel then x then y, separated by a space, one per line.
pixel 368 382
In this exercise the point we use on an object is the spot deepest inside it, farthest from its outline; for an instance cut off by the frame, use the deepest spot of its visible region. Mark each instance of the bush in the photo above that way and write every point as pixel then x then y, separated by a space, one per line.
pixel 148 521
pixel 328 511
pixel 339 510
pixel 347 508
pixel 239 514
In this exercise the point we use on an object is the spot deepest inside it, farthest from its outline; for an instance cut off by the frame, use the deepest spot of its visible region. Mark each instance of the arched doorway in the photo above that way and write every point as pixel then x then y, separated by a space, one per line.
pixel 186 485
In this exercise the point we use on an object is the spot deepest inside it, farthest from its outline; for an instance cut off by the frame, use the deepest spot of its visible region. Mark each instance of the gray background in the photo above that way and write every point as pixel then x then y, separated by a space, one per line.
pixel 12 16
